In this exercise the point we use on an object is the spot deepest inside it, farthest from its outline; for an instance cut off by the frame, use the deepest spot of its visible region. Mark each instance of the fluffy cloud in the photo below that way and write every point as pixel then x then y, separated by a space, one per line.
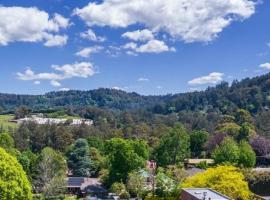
pixel 139 35
pixel 187 20
pixel 211 78
pixel 152 46
pixel 55 83
pixel 265 65
pixel 80 70
pixel 56 40
pixel 31 25
pixel 90 35
pixel 86 52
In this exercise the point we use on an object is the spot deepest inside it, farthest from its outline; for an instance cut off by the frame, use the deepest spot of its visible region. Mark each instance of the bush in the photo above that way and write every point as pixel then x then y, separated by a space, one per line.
pixel 13 180
pixel 227 180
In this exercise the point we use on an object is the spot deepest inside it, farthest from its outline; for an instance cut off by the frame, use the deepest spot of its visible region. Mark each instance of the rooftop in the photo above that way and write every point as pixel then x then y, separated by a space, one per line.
pixel 205 193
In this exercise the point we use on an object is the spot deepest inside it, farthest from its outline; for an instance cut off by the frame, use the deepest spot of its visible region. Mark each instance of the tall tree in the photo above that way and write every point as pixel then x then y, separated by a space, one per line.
pixel 122 158
pixel 79 160
pixel 198 141
pixel 51 170
pixel 173 147
pixel 247 156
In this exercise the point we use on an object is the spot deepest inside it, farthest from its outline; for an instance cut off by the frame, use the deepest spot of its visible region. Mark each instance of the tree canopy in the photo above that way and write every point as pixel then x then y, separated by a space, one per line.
pixel 13 180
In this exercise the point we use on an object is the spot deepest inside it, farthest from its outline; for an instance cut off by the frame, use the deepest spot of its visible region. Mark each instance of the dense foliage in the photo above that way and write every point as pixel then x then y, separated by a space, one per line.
pixel 227 180
pixel 13 180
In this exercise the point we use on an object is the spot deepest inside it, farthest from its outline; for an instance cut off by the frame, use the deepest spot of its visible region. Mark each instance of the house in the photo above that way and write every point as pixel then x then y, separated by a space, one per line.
pixel 82 186
pixel 43 121
pixel 192 162
pixel 201 194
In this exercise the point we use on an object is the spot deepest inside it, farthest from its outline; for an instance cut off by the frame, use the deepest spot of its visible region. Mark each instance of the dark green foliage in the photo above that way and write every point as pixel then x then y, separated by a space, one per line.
pixel 247 157
pixel 198 141
pixel 79 159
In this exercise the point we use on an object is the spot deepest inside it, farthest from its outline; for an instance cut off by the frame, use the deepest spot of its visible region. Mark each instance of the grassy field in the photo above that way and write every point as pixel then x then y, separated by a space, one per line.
pixel 4 122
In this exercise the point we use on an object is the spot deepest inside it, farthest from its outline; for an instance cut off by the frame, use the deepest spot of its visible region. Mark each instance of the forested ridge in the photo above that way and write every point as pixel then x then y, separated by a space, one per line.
pixel 252 94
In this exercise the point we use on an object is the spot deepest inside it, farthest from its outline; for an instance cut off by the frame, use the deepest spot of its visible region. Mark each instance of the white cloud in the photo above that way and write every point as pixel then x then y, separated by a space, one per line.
pixel 68 71
pixel 90 35
pixel 265 65
pixel 64 89
pixel 142 79
pixel 86 52
pixel 159 87
pixel 139 35
pixel 30 25
pixel 152 46
pixel 211 78
pixel 56 40
pixel 37 82
pixel 55 83
pixel 187 20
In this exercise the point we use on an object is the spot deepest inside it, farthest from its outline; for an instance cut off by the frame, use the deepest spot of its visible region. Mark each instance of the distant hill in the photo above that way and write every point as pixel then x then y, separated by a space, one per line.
pixel 252 94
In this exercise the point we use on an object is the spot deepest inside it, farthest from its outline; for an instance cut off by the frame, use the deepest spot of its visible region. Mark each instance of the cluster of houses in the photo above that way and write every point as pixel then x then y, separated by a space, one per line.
pixel 83 187
pixel 40 120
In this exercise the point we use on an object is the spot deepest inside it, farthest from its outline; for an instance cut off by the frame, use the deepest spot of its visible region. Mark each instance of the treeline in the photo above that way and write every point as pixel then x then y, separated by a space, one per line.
pixel 251 94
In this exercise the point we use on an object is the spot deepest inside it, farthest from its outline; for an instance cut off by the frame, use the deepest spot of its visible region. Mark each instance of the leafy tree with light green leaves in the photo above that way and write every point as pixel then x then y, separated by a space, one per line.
pixel 173 147
pixel 7 143
pixel 226 152
pixel 122 159
pixel 13 180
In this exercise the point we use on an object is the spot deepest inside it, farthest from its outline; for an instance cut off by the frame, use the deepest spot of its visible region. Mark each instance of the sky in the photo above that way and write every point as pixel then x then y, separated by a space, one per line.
pixel 152 47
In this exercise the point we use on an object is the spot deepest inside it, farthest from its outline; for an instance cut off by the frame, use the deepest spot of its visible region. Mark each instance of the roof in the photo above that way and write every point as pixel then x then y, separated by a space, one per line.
pixel 75 181
pixel 197 161
pixel 205 193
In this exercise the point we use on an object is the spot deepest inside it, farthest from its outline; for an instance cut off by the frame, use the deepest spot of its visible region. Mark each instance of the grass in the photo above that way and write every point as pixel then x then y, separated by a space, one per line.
pixel 4 122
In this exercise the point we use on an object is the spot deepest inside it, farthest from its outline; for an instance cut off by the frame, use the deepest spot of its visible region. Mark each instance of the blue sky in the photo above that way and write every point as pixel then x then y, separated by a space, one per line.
pixel 150 47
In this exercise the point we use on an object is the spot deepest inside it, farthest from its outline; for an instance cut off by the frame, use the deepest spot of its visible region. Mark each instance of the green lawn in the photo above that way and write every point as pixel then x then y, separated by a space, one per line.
pixel 4 121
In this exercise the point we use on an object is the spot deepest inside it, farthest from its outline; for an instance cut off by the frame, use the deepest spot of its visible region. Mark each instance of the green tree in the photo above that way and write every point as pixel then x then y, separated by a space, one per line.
pixel 13 180
pixel 243 116
pixel 52 168
pixel 226 152
pixel 198 140
pixel 122 158
pixel 7 143
pixel 173 147
pixel 247 157
pixel 79 160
